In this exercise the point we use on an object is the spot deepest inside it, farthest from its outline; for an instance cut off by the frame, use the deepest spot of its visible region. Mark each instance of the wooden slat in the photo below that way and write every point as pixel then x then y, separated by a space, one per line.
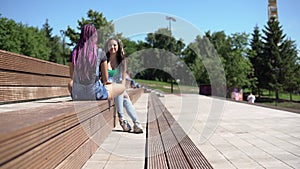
pixel 196 158
pixel 156 154
pixel 11 94
pixel 73 161
pixel 173 151
pixel 27 80
pixel 28 128
pixel 16 62
pixel 180 151
pixel 54 135
pixel 79 157
pixel 41 156
pixel 53 150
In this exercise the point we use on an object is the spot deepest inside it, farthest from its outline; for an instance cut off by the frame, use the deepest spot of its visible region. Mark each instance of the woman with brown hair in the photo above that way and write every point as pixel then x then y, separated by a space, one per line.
pixel 116 73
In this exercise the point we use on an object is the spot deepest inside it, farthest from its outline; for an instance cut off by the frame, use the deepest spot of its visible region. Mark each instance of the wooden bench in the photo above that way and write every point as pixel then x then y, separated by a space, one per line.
pixel 49 133
pixel 24 78
pixel 168 146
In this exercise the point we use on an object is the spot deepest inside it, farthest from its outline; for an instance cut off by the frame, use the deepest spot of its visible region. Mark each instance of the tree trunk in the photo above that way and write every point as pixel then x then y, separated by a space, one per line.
pixel 171 85
pixel 277 96
pixel 291 93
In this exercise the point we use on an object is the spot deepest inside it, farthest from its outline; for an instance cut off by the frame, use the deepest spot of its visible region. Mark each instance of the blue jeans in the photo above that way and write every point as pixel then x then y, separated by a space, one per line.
pixel 120 101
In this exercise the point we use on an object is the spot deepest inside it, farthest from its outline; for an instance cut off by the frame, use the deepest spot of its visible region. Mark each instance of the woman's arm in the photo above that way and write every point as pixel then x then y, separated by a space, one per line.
pixel 104 72
pixel 71 69
pixel 124 73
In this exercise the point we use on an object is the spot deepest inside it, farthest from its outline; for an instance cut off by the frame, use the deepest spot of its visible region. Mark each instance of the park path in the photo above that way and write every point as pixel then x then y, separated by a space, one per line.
pixel 239 136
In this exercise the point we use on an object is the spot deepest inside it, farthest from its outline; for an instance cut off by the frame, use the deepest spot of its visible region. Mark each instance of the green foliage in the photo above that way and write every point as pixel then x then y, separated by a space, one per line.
pixel 129 46
pixel 34 43
pixel 274 56
pixel 10 35
pixel 160 52
pixel 30 41
pixel 232 51
pixel 275 60
pixel 255 55
pixel 105 28
pixel 272 45
pixel 53 43
pixel 291 67
pixel 270 61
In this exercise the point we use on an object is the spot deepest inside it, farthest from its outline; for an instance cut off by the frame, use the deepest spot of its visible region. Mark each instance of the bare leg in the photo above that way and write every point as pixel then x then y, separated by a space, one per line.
pixel 70 85
pixel 114 90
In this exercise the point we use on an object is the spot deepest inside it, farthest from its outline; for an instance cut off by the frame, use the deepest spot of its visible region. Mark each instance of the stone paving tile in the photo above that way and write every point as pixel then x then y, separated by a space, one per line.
pixel 293 163
pixel 123 149
pixel 94 164
pixel 246 136
pixel 124 165
pixel 100 157
pixel 243 136
pixel 275 164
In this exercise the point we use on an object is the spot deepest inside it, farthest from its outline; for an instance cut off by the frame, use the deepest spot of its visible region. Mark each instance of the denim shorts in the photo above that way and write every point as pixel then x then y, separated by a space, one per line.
pixel 101 91
pixel 89 92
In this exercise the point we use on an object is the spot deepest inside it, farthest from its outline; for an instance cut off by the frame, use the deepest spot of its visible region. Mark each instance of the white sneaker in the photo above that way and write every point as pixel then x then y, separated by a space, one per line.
pixel 137 128
pixel 125 125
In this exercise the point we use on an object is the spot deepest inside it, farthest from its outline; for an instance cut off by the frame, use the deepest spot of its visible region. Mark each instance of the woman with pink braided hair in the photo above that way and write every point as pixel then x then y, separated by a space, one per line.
pixel 86 63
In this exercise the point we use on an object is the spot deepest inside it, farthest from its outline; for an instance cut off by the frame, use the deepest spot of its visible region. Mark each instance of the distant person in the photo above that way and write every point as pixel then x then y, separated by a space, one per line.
pixel 132 83
pixel 235 95
pixel 85 63
pixel 251 98
pixel 240 95
pixel 117 73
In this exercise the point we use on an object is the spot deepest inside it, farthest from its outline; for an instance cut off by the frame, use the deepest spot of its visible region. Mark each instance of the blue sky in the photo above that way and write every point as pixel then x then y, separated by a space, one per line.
pixel 231 16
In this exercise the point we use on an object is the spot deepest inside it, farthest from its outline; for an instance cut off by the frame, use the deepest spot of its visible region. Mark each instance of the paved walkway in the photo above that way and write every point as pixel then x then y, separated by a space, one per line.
pixel 229 134
pixel 122 149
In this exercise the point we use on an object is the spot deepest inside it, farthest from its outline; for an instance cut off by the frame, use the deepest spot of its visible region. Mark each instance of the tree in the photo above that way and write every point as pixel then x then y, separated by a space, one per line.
pixel 10 35
pixel 191 57
pixel 34 43
pixel 165 48
pixel 203 60
pixel 104 28
pixel 131 49
pixel 54 44
pixel 237 64
pixel 256 58
pixel 129 46
pixel 291 67
pixel 272 51
pixel 232 50
pixel 23 39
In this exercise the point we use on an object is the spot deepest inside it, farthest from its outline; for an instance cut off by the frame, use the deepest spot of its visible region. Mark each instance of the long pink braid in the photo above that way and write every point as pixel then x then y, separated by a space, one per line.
pixel 86 59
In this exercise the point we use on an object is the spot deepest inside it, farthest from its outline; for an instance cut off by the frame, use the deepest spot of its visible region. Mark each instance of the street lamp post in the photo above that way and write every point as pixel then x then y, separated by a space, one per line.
pixel 170 19
pixel 63 34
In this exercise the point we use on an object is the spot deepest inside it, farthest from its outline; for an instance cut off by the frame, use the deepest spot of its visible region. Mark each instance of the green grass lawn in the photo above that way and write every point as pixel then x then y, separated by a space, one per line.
pixel 268 99
pixel 166 86
pixel 285 96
